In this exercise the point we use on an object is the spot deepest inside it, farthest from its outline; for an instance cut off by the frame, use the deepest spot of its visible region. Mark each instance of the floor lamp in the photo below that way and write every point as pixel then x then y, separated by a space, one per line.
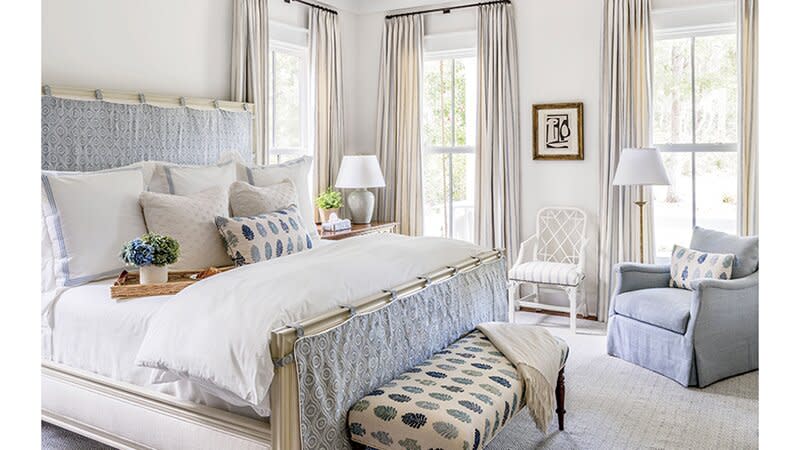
pixel 641 167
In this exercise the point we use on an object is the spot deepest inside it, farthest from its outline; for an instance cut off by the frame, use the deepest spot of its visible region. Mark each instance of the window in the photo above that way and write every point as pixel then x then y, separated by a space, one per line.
pixel 695 127
pixel 288 102
pixel 449 108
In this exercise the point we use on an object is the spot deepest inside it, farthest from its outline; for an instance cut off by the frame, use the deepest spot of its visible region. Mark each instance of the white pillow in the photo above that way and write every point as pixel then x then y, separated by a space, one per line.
pixel 247 200
pixel 190 220
pixel 89 217
pixel 185 180
pixel 296 170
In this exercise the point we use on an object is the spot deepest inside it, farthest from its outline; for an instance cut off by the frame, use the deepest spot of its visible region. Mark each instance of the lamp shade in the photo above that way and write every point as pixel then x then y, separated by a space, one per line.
pixel 360 171
pixel 640 167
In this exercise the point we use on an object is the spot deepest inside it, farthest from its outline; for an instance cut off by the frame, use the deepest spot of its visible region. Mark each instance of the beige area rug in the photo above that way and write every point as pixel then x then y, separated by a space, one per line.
pixel 612 404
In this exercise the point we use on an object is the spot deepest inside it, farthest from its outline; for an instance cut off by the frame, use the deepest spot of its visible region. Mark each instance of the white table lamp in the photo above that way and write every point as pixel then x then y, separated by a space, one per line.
pixel 360 172
pixel 640 167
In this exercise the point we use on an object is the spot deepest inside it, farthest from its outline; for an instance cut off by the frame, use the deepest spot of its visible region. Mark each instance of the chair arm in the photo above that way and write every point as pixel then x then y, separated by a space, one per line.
pixel 526 250
pixel 582 256
pixel 633 276
pixel 723 326
pixel 747 282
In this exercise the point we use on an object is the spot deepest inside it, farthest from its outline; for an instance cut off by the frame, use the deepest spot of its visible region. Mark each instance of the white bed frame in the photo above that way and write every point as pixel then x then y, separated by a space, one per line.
pixel 128 416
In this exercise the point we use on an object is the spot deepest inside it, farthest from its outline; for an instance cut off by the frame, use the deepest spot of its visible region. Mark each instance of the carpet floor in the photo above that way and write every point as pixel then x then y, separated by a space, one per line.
pixel 611 404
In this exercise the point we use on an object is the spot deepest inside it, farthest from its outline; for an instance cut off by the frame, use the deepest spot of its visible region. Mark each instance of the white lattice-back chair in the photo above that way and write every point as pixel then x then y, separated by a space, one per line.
pixel 555 256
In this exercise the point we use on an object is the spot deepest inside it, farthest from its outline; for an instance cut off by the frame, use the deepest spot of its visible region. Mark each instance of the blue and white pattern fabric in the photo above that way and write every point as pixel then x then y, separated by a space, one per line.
pixel 259 238
pixel 688 265
pixel 458 399
pixel 80 135
pixel 336 368
pixel 547 273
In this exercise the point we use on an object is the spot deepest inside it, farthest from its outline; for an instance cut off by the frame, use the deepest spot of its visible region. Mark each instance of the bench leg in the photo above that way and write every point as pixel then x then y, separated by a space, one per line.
pixel 560 400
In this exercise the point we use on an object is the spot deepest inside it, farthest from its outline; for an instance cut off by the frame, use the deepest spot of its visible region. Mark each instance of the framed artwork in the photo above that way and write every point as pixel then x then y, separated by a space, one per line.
pixel 558 131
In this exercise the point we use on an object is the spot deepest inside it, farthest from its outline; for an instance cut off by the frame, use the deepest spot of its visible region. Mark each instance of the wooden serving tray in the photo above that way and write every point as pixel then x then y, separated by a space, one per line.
pixel 127 284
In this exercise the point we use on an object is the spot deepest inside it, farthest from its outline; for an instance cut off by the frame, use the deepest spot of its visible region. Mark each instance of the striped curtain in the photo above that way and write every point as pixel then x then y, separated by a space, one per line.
pixel 625 108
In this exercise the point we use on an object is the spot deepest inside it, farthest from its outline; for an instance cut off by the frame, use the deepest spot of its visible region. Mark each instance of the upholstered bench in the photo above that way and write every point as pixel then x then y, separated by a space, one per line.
pixel 459 399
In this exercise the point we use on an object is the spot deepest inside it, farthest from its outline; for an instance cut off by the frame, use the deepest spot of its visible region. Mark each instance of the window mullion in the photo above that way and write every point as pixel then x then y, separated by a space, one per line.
pixel 694 139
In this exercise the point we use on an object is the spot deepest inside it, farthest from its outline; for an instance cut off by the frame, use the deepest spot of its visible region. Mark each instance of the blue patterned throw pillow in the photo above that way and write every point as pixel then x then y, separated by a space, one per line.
pixel 688 265
pixel 259 238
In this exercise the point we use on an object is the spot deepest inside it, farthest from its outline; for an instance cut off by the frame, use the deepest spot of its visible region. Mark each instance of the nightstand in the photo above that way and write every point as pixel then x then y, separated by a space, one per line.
pixel 358 230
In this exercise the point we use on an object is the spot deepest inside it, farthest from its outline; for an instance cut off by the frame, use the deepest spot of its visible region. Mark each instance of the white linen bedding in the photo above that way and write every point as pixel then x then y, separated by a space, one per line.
pixel 216 332
pixel 95 333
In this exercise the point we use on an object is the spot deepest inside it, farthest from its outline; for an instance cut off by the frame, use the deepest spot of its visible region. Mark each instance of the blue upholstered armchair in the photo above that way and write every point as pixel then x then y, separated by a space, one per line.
pixel 696 337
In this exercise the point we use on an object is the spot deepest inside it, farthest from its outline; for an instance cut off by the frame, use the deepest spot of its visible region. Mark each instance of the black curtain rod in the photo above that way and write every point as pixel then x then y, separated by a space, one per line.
pixel 313 5
pixel 446 9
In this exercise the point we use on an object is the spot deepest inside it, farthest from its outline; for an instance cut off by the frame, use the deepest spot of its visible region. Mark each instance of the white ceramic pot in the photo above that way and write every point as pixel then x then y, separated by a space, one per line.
pixel 325 214
pixel 153 274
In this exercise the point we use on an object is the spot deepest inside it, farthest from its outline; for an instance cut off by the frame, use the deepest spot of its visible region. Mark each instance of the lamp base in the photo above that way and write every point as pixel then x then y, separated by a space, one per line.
pixel 361 203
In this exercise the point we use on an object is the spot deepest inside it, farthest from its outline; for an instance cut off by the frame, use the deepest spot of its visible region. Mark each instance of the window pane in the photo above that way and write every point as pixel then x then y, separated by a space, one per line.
pixel 715 89
pixel 435 193
pixel 287 93
pixel 673 205
pixel 716 190
pixel 672 96
pixel 437 101
pixel 463 196
pixel 466 90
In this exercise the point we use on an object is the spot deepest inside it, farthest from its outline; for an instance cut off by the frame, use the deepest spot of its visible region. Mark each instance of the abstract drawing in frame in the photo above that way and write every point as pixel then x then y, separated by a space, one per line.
pixel 558 131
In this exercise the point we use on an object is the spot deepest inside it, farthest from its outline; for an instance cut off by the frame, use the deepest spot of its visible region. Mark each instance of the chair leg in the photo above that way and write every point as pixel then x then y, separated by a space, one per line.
pixel 560 400
pixel 513 302
pixel 572 293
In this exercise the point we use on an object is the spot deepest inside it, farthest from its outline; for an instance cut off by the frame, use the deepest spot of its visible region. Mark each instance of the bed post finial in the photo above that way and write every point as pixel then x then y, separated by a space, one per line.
pixel 98 94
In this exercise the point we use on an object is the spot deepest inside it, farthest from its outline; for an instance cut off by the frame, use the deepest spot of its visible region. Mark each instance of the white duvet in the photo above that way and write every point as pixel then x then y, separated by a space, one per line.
pixel 216 332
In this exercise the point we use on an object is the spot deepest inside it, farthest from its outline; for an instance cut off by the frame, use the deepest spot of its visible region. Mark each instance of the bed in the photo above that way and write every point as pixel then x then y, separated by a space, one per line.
pixel 256 357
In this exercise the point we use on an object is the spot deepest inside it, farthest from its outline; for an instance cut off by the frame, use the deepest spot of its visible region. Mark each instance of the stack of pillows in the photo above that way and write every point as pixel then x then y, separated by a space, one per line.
pixel 220 214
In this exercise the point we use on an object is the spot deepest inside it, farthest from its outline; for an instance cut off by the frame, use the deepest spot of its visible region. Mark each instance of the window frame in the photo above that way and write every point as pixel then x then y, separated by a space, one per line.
pixel 450 150
pixel 302 52
pixel 693 148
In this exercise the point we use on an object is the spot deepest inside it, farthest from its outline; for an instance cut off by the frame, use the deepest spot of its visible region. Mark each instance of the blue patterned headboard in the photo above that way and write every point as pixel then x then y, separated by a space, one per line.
pixel 86 135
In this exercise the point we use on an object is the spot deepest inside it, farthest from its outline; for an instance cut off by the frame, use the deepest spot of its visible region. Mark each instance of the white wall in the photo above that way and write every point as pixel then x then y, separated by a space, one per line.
pixel 169 47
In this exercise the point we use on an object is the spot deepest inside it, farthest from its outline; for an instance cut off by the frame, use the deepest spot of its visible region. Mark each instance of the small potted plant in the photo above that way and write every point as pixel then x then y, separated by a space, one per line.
pixel 151 253
pixel 328 202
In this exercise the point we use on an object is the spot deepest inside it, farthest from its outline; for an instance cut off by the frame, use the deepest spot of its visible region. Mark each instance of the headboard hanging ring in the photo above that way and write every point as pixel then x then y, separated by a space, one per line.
pixel 182 101
pixel 216 104
pixel 98 94
pixel 47 91
pixel 142 99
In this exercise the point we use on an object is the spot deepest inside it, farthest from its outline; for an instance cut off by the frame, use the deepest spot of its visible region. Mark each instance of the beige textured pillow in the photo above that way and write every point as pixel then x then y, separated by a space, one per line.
pixel 190 220
pixel 248 200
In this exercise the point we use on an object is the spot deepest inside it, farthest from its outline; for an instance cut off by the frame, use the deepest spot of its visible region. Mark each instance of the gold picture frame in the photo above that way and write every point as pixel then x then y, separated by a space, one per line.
pixel 554 126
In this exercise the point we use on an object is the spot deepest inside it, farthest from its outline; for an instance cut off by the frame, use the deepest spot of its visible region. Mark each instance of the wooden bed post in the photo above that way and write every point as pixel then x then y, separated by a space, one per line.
pixel 284 398
pixel 560 399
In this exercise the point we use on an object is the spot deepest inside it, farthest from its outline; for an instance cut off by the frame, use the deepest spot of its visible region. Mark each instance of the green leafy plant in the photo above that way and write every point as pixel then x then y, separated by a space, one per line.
pixel 329 199
pixel 151 249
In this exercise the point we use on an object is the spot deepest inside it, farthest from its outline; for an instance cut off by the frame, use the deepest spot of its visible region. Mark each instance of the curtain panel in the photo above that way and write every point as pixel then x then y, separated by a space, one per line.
pixel 250 66
pixel 498 141
pixel 625 108
pixel 747 32
pixel 327 92
pixel 400 123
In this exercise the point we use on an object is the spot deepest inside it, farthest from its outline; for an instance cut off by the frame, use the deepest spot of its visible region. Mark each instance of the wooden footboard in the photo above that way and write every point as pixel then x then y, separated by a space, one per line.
pixel 284 395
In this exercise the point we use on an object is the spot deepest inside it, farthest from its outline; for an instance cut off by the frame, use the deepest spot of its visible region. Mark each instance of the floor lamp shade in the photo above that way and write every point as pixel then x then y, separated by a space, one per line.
pixel 360 172
pixel 640 167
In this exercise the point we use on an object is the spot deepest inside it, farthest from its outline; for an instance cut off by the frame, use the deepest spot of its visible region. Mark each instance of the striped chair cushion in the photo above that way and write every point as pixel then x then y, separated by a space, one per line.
pixel 546 273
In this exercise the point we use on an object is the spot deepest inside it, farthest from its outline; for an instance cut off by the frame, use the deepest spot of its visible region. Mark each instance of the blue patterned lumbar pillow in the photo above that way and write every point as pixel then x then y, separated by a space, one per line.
pixel 688 265
pixel 259 238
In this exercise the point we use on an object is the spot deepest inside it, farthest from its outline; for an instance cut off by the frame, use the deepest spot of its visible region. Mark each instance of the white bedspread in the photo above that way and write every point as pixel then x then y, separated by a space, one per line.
pixel 216 332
